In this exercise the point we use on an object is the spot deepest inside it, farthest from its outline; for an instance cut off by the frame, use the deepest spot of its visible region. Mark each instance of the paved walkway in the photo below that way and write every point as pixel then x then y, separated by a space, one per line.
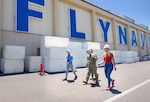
pixel 132 85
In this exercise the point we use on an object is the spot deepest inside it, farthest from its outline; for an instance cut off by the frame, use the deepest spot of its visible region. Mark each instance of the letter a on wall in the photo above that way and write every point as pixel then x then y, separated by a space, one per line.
pixel 134 41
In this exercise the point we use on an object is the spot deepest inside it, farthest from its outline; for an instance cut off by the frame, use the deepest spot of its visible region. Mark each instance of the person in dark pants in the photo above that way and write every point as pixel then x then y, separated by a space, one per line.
pixel 109 65
pixel 69 65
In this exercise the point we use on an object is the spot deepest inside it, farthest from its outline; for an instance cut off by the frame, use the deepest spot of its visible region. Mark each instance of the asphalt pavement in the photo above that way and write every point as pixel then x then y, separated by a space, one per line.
pixel 132 84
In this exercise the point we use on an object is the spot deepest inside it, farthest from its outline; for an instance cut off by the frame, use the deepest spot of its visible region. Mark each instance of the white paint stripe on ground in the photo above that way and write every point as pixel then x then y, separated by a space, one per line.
pixel 127 91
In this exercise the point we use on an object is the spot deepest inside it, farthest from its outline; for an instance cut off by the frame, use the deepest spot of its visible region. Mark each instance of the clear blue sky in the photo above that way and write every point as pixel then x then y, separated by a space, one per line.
pixel 139 10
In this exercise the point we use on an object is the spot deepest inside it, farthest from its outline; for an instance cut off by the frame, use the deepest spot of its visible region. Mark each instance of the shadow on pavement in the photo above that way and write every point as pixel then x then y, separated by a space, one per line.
pixel 70 81
pixel 115 91
pixel 43 74
pixel 95 84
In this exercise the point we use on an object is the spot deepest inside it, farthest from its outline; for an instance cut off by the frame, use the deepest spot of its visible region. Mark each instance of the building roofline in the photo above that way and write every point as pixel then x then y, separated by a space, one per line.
pixel 113 14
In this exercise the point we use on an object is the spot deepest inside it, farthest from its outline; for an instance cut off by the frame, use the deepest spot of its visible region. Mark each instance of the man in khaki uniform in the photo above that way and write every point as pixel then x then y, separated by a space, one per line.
pixel 97 58
pixel 91 64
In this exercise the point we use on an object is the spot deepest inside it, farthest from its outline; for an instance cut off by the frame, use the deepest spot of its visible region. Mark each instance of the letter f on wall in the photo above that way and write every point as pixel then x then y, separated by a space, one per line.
pixel 23 12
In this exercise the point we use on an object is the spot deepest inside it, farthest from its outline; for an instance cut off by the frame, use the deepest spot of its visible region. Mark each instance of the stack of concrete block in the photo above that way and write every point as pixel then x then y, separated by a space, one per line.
pixel 55 59
pixel 13 59
pixel 32 63
pixel 53 51
pixel 127 56
pixel 49 41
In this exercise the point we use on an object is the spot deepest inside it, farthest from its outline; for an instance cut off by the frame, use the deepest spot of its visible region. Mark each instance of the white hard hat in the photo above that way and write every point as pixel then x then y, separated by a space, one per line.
pixel 91 49
pixel 106 46
pixel 88 50
pixel 68 50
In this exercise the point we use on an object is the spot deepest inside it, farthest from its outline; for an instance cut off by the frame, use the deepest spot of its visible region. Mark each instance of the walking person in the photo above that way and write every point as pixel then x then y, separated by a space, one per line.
pixel 92 75
pixel 69 65
pixel 91 64
pixel 109 65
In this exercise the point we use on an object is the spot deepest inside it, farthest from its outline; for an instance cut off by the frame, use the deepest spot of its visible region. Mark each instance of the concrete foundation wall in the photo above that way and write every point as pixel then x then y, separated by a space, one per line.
pixel 30 41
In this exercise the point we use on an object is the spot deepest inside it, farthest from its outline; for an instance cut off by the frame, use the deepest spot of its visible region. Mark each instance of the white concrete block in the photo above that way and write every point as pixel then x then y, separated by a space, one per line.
pixel 49 41
pixel 116 53
pixel 60 52
pixel 12 66
pixel 91 45
pixel 118 60
pixel 136 59
pixel 32 63
pixel 13 52
pixel 80 62
pixel 127 60
pixel 54 52
pixel 135 54
pixel 127 54
pixel 77 45
pixel 54 65
pixel 99 53
pixel 79 53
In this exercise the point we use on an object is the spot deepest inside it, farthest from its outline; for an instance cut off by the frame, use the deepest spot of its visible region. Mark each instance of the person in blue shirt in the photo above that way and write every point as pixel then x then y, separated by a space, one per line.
pixel 69 65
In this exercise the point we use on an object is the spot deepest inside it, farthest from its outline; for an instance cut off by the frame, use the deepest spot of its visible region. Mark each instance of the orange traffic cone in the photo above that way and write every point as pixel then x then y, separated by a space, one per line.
pixel 140 59
pixel 41 69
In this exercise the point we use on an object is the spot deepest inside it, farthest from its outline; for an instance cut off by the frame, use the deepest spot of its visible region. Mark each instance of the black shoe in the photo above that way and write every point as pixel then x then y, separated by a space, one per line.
pixel 96 82
pixel 65 79
pixel 75 77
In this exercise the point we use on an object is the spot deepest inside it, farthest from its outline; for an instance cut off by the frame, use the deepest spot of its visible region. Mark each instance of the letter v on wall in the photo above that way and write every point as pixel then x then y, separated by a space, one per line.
pixel 142 40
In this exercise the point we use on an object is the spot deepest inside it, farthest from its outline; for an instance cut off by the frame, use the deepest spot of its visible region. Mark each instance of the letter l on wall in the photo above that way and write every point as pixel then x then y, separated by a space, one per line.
pixel 74 33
